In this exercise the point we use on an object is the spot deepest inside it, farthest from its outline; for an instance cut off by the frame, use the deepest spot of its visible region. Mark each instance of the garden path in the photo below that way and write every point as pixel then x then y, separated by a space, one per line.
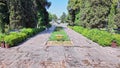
pixel 84 54
pixel 91 53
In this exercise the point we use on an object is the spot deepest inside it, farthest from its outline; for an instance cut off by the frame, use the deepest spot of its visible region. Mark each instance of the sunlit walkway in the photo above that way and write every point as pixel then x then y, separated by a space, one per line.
pixel 84 54
pixel 91 55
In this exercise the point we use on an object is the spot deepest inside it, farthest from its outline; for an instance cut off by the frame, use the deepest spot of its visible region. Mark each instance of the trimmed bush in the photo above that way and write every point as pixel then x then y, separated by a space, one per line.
pixel 14 38
pixel 11 39
pixel 28 31
pixel 103 38
pixel 117 38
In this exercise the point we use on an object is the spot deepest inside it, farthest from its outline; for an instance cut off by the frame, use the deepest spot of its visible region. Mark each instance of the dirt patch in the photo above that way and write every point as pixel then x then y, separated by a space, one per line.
pixel 86 62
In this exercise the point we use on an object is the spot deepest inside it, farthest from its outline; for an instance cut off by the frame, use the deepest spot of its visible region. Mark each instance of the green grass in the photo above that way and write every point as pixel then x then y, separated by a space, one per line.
pixel 59 31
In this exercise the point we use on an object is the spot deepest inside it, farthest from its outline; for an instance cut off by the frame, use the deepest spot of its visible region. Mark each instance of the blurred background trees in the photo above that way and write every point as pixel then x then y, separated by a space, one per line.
pixel 53 17
pixel 63 17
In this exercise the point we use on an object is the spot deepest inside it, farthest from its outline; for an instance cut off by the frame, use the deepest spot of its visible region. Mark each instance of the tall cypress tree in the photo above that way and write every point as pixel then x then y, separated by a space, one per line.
pixel 3 15
pixel 16 14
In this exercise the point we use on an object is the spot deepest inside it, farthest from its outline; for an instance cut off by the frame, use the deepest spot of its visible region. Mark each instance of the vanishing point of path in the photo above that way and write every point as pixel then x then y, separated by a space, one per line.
pixel 84 54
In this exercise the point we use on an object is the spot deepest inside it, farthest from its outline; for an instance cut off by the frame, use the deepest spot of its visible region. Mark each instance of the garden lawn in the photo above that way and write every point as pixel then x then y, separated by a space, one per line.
pixel 59 35
pixel 59 38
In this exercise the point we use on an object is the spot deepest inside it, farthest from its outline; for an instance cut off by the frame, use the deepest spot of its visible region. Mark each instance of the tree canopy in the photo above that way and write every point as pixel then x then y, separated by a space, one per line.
pixel 94 13
pixel 53 17
pixel 23 13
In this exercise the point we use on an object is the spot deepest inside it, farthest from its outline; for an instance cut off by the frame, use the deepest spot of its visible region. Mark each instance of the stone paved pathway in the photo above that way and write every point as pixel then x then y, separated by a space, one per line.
pixel 84 54
pixel 92 54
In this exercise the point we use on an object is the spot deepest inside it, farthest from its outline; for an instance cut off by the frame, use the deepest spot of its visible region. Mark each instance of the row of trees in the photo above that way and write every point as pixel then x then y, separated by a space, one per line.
pixel 53 17
pixel 63 17
pixel 23 13
pixel 94 13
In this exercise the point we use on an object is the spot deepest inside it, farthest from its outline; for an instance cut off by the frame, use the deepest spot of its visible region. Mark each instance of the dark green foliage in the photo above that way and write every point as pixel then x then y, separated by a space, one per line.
pixel 111 17
pixel 53 17
pixel 42 14
pixel 23 13
pixel 94 13
pixel 3 16
pixel 63 17
pixel 16 12
pixel 50 17
pixel 30 13
pixel 117 18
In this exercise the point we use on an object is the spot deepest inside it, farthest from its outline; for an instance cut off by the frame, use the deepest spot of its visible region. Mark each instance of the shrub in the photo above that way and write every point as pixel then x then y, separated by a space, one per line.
pixel 117 38
pixel 103 38
pixel 15 38
pixel 28 31
pixel 11 39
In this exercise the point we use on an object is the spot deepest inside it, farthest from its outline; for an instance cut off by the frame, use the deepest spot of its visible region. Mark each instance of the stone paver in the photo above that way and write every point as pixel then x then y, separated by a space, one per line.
pixel 35 54
pixel 29 54
pixel 91 55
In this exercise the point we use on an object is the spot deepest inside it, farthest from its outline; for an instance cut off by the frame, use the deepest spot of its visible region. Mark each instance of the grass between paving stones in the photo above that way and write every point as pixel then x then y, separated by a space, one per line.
pixel 59 35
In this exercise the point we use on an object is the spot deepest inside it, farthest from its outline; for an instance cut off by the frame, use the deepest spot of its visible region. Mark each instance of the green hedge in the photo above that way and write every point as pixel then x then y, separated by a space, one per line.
pixel 103 38
pixel 14 38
